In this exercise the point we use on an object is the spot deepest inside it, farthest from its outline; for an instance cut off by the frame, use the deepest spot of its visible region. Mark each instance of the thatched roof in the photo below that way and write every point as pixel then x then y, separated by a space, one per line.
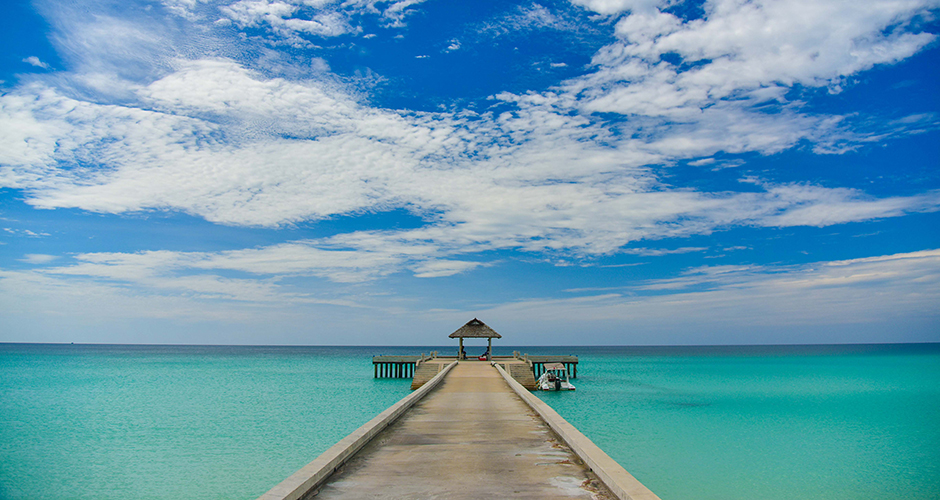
pixel 475 329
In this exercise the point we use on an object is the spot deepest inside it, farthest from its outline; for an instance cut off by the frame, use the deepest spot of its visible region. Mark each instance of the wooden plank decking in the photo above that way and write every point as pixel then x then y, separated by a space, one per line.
pixel 472 437
pixel 471 431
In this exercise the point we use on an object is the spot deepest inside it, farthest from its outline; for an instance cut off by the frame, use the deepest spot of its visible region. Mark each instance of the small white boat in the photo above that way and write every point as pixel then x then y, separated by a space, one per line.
pixel 555 378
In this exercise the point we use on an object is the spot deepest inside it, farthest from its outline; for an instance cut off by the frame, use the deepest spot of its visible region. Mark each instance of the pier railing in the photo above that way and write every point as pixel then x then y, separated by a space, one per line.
pixel 405 366
pixel 398 366
pixel 538 363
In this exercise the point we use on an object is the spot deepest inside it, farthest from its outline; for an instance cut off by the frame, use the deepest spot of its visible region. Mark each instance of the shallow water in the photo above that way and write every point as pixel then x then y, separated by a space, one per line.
pixel 108 422
pixel 830 422
pixel 162 422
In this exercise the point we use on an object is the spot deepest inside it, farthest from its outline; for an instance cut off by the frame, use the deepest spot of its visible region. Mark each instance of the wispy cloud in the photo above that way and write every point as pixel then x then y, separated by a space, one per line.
pixel 24 232
pixel 755 302
pixel 613 7
pixel 34 61
pixel 38 258
pixel 297 22
pixel 812 303
pixel 523 19
pixel 662 251
pixel 287 19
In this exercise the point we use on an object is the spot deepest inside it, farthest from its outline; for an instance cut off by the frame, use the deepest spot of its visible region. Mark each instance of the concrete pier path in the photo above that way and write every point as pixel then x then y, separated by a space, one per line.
pixel 471 437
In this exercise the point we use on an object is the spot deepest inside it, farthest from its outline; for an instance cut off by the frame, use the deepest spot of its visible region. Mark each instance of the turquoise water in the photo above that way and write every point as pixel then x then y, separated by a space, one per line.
pixel 828 422
pixel 162 422
pixel 117 422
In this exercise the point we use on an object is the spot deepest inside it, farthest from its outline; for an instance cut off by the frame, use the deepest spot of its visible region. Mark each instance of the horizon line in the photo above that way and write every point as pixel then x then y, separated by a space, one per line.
pixel 427 345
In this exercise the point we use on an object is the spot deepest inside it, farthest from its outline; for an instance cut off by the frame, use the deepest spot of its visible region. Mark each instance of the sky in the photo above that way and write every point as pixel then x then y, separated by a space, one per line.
pixel 369 172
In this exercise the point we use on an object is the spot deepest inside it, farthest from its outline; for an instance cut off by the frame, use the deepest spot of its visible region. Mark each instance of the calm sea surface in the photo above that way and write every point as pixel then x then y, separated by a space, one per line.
pixel 188 422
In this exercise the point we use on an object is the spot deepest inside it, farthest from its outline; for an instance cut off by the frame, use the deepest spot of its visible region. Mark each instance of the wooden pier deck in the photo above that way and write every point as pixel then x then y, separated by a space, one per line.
pixel 470 438
pixel 471 432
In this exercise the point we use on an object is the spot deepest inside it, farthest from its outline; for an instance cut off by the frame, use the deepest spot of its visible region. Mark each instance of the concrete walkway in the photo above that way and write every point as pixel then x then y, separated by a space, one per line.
pixel 472 437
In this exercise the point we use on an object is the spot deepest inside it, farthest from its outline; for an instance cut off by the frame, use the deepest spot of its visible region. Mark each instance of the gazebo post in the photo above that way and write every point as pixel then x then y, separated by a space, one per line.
pixel 460 349
pixel 489 347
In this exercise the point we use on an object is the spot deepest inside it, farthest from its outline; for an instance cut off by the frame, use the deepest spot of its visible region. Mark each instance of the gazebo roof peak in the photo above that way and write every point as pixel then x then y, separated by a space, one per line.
pixel 475 329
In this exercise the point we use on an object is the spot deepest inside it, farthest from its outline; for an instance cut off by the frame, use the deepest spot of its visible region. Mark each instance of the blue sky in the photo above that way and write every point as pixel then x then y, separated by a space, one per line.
pixel 380 172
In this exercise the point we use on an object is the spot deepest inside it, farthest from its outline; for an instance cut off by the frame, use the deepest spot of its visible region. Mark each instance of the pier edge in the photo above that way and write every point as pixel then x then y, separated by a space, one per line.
pixel 620 482
pixel 303 482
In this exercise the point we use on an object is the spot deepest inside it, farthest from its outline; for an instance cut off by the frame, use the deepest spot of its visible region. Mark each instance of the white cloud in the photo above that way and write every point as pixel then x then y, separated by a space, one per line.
pixel 646 25
pixel 612 7
pixel 253 12
pixel 38 258
pixel 38 306
pixel 24 232
pixel 183 8
pixel 300 258
pixel 439 268
pixel 210 137
pixel 184 274
pixel 291 20
pixel 212 143
pixel 525 18
pixel 744 58
pixel 34 61
pixel 743 48
pixel 279 16
pixel 656 252
pixel 347 259
pixel 845 206
pixel 396 12
pixel 536 16
pixel 107 54
pixel 870 299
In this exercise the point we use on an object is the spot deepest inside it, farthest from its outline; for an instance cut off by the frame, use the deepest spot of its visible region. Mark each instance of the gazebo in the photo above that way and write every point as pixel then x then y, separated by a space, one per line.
pixel 476 329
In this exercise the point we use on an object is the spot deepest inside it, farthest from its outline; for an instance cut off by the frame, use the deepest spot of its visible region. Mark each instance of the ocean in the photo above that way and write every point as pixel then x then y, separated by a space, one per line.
pixel 692 423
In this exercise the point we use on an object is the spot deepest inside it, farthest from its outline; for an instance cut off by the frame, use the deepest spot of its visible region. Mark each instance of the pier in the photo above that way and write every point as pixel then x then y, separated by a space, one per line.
pixel 524 368
pixel 470 429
